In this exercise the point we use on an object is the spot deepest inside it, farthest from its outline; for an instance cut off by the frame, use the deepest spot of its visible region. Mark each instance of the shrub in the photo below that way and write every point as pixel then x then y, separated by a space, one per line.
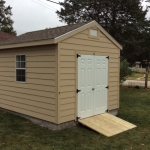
pixel 125 71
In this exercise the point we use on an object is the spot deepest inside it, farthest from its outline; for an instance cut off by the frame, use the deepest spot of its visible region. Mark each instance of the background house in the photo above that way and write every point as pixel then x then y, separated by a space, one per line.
pixel 140 66
pixel 5 36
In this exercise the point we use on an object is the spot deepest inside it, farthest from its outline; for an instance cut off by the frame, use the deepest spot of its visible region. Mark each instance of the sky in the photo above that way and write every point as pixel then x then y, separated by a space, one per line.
pixel 32 15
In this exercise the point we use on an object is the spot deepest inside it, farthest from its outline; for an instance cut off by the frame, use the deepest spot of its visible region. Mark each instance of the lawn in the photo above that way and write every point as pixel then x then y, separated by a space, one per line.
pixel 135 75
pixel 17 133
pixel 143 79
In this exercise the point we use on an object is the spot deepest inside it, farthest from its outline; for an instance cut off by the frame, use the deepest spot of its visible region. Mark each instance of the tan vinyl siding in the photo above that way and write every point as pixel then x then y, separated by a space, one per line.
pixel 36 97
pixel 81 43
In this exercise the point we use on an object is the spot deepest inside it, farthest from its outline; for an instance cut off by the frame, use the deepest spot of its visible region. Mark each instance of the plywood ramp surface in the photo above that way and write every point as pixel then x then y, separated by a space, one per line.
pixel 107 124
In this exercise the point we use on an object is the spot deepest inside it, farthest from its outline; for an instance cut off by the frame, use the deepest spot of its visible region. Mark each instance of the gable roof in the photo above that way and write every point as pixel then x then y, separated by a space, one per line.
pixel 5 36
pixel 52 36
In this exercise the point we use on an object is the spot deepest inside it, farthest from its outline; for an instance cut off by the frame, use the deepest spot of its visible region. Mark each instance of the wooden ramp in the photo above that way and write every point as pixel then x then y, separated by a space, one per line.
pixel 107 124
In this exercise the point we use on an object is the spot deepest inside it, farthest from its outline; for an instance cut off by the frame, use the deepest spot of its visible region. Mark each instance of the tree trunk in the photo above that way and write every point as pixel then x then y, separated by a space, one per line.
pixel 146 74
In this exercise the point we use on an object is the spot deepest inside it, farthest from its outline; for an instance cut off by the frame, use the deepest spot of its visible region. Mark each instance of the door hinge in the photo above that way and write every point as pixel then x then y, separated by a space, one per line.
pixel 78 91
pixel 107 87
pixel 107 57
pixel 77 118
pixel 78 55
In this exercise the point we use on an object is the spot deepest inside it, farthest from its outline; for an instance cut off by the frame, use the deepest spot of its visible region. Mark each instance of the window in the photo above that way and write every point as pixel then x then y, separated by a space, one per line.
pixel 93 32
pixel 20 68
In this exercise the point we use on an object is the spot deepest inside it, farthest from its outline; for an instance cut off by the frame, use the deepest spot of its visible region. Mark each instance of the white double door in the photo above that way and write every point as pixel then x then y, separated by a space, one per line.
pixel 92 83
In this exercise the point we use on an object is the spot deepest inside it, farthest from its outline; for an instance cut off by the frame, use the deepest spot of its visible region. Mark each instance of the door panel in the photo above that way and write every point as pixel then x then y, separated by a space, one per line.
pixel 92 81
pixel 85 84
pixel 100 84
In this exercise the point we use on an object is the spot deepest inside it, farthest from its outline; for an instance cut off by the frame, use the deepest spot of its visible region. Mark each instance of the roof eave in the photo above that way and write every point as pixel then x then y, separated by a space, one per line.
pixel 27 44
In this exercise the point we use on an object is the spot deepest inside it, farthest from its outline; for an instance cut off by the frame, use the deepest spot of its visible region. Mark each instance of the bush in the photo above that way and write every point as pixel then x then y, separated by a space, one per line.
pixel 125 71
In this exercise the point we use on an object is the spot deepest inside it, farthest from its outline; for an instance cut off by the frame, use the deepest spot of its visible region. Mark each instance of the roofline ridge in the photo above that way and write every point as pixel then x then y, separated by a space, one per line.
pixel 53 28
pixel 86 23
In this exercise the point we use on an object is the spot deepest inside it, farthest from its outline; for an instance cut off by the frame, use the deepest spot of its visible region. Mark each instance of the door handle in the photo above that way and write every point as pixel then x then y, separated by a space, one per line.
pixel 93 89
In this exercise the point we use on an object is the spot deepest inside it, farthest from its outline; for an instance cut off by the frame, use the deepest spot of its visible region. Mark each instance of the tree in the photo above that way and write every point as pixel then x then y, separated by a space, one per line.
pixel 123 19
pixel 6 23
pixel 145 50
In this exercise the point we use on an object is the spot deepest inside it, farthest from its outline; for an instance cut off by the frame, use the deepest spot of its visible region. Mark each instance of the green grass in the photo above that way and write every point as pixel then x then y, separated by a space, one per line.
pixel 143 79
pixel 135 75
pixel 17 133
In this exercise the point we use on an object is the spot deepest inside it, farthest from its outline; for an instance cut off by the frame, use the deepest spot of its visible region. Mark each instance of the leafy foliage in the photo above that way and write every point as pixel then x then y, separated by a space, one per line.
pixel 145 50
pixel 124 70
pixel 145 36
pixel 6 24
pixel 124 20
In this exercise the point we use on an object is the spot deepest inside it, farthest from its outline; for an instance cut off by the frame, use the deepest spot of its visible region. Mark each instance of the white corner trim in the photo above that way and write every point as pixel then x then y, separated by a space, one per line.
pixel 74 30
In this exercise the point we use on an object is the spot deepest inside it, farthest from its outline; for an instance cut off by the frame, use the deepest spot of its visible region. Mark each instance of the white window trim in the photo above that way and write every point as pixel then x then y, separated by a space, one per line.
pixel 20 68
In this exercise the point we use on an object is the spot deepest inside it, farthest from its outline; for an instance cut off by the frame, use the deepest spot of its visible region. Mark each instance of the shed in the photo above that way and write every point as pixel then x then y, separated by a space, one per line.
pixel 59 75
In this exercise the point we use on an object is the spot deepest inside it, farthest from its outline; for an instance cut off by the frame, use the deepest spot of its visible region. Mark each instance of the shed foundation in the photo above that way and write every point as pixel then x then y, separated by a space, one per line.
pixel 43 123
pixel 113 112
pixel 50 125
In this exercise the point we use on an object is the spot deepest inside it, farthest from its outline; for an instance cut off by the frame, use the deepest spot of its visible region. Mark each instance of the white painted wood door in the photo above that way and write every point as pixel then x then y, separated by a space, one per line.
pixel 92 83
pixel 85 84
pixel 100 84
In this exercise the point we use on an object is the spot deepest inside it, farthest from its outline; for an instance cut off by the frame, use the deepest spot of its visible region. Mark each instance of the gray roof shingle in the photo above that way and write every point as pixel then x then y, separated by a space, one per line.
pixel 51 33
